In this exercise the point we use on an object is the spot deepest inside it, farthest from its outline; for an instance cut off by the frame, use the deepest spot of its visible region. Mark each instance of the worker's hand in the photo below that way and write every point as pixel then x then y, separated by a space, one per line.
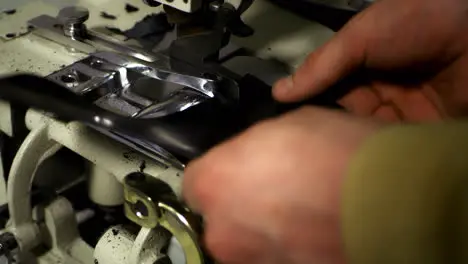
pixel 413 52
pixel 272 194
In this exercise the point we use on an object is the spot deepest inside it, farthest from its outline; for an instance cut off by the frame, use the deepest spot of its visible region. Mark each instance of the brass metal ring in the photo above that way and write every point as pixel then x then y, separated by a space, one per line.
pixel 150 203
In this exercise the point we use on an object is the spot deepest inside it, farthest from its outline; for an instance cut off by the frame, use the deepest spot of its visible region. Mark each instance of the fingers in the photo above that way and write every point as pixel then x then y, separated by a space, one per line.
pixel 392 103
pixel 362 101
pixel 214 169
pixel 366 101
pixel 196 195
pixel 251 214
pixel 407 103
pixel 388 113
pixel 323 68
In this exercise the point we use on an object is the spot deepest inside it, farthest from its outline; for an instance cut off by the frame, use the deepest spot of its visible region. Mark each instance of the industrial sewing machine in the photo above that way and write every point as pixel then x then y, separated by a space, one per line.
pixel 94 151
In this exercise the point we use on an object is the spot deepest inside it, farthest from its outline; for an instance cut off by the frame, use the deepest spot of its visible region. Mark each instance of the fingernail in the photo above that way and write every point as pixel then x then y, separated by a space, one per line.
pixel 284 85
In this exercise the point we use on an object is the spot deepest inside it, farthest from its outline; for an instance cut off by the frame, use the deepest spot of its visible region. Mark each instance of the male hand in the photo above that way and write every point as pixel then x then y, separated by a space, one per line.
pixel 272 195
pixel 413 54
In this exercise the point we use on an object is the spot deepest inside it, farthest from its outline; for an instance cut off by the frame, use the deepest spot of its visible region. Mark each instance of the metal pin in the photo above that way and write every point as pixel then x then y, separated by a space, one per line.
pixel 73 18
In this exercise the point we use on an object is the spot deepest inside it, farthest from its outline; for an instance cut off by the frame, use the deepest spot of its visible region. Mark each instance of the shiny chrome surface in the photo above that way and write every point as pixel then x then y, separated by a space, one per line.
pixel 126 80
pixel 73 19
pixel 154 65
pixel 177 103
pixel 129 87
pixel 54 29
pixel 161 69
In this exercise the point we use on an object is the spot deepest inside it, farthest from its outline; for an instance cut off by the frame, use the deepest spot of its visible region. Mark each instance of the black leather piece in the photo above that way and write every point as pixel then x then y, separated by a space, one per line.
pixel 328 16
pixel 186 134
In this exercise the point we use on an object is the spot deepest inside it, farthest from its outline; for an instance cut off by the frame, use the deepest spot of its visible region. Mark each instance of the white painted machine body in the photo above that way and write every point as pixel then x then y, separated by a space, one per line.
pixel 279 35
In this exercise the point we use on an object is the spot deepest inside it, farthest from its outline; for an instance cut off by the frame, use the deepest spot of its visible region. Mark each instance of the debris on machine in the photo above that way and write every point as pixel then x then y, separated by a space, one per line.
pixel 142 166
pixel 10 11
pixel 115 30
pixel 21 32
pixel 106 15
pixel 152 3
pixel 10 35
pixel 131 8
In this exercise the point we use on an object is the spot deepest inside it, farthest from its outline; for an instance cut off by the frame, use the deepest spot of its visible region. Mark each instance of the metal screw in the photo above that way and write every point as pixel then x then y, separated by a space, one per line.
pixel 73 18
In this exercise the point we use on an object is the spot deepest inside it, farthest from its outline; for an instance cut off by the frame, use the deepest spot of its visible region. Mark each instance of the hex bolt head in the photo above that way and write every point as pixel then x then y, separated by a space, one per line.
pixel 73 15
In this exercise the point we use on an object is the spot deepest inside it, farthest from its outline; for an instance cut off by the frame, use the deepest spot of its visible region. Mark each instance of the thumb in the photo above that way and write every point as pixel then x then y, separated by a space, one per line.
pixel 343 54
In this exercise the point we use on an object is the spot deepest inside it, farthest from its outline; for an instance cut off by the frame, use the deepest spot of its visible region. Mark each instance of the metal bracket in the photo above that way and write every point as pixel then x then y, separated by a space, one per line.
pixel 151 203
pixel 54 29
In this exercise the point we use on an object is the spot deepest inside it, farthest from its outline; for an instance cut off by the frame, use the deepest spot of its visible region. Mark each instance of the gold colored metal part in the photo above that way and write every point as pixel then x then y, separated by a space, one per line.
pixel 139 207
pixel 150 203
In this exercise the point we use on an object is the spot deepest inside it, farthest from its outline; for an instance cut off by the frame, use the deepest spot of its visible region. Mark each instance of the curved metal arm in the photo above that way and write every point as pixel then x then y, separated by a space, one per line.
pixel 150 203
pixel 179 221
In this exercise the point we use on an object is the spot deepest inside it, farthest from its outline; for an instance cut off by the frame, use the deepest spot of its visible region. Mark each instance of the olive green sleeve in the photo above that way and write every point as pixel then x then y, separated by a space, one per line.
pixel 405 198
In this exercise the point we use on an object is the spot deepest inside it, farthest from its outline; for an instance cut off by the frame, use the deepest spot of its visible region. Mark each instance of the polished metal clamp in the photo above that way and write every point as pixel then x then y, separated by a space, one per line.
pixel 151 203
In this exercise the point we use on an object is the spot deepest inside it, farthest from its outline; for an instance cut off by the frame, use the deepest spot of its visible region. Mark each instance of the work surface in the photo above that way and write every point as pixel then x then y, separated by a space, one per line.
pixel 279 34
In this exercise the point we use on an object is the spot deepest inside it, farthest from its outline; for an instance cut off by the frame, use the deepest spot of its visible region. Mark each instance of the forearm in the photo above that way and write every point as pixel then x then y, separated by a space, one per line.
pixel 403 196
